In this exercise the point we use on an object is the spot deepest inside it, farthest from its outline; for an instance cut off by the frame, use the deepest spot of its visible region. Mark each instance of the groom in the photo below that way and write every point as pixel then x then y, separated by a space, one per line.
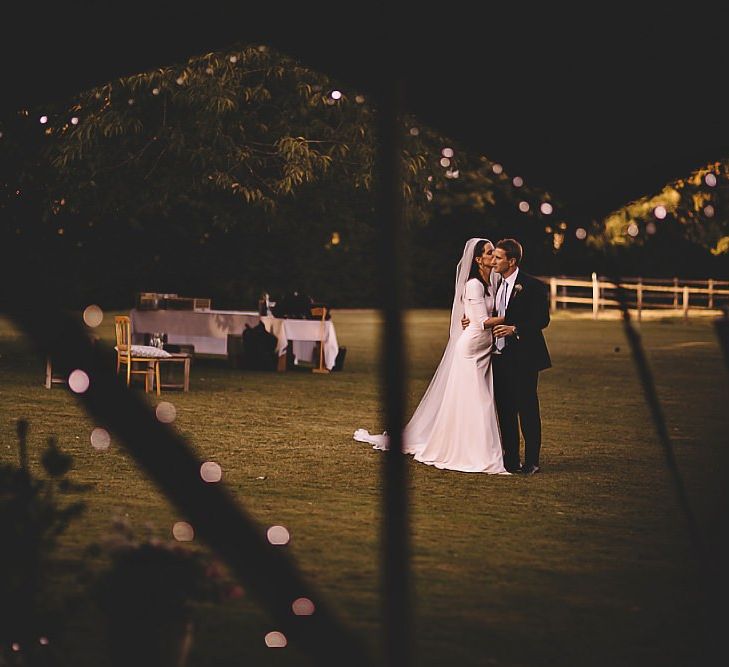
pixel 519 353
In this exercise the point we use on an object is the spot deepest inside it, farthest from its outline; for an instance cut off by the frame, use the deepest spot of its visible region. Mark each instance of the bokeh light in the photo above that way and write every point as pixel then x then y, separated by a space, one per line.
pixel 233 59
pixel 546 208
pixel 633 229
pixel 43 641
pixel 359 99
pixel 15 646
pixel 445 162
pixel 278 535
pixel 650 228
pixel 130 101
pixel 710 180
pixel 211 472
pixel 166 412
pixel 581 233
pixel 709 211
pixel 303 607
pixel 524 206
pixel 183 532
pixel 517 181
pixel 155 91
pixel 74 120
pixel 447 152
pixel 336 94
pixel 335 240
pixel 414 131
pixel 100 439
pixel 660 212
pixel 43 120
pixel 78 381
pixel 497 168
pixel 93 315
pixel 276 639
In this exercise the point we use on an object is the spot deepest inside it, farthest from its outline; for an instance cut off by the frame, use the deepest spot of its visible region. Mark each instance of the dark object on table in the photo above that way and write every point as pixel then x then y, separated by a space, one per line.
pixel 339 361
pixel 147 301
pixel 294 306
pixel 259 349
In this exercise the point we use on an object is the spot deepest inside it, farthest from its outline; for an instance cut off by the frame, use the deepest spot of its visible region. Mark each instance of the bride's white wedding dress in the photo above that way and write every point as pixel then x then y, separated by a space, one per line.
pixel 455 425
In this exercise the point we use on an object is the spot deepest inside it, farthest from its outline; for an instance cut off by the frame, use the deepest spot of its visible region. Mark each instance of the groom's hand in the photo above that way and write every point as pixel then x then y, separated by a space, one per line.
pixel 504 330
pixel 465 321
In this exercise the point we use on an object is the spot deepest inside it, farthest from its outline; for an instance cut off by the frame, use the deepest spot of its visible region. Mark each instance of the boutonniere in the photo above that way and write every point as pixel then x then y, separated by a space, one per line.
pixel 516 290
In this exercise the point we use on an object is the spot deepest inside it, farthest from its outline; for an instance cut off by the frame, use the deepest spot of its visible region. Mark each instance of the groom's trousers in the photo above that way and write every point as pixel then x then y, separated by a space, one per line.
pixel 517 403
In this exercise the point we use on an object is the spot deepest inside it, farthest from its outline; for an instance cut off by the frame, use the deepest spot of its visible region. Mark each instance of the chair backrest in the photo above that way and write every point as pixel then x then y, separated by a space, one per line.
pixel 123 328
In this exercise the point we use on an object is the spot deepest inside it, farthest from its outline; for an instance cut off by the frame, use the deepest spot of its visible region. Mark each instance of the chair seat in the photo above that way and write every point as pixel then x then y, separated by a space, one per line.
pixel 147 351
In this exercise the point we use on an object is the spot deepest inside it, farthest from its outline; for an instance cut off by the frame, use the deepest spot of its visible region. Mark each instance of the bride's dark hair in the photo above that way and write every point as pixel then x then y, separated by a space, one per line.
pixel 475 269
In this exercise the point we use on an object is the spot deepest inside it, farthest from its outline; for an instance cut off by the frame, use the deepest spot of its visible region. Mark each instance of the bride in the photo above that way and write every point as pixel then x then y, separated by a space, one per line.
pixel 455 427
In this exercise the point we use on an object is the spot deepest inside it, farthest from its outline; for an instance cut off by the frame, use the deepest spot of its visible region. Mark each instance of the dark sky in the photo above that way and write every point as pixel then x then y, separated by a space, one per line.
pixel 599 105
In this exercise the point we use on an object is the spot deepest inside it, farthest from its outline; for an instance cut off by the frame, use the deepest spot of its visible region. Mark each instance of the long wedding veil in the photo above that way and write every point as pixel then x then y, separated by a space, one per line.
pixel 418 430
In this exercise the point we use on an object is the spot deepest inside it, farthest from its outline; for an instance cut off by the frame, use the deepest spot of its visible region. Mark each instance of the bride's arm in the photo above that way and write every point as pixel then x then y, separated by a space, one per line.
pixel 476 297
pixel 493 321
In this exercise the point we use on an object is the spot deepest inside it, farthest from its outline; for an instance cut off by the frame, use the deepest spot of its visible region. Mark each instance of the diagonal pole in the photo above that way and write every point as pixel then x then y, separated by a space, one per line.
pixel 712 577
pixel 395 538
pixel 659 421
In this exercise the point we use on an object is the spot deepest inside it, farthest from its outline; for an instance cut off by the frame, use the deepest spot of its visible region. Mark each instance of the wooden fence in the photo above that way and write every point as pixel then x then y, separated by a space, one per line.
pixel 600 293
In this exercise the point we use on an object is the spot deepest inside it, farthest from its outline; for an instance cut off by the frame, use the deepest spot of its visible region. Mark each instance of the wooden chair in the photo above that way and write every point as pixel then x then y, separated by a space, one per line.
pixel 124 356
pixel 320 311
pixel 51 377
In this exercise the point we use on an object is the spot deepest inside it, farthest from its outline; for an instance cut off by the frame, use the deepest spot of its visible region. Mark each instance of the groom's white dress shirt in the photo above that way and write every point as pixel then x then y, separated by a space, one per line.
pixel 502 303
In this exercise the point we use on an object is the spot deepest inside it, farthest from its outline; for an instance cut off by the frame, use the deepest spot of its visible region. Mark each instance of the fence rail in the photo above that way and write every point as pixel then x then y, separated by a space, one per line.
pixel 600 294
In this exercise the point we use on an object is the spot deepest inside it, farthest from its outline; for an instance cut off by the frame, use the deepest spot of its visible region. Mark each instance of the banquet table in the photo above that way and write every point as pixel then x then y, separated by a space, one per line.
pixel 208 330
pixel 303 335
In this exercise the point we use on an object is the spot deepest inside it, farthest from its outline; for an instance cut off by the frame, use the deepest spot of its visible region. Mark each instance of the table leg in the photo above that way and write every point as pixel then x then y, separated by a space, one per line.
pixel 282 363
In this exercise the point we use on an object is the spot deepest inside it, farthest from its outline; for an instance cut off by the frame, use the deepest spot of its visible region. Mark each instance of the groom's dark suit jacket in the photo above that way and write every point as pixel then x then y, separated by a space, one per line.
pixel 528 310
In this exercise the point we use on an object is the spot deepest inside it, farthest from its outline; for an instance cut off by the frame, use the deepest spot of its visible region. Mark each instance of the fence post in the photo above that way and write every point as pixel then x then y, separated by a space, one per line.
pixel 711 293
pixel 595 295
pixel 675 292
pixel 552 294
pixel 685 301
pixel 639 298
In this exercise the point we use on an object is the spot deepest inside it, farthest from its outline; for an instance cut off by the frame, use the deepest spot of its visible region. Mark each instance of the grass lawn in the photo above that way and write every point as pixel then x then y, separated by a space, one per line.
pixel 588 562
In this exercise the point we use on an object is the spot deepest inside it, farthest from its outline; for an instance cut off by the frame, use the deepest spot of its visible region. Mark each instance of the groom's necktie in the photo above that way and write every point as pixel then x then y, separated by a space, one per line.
pixel 501 311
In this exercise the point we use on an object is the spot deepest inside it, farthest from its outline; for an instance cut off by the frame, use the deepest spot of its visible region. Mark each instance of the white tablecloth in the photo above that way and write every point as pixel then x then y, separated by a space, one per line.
pixel 208 331
pixel 303 334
